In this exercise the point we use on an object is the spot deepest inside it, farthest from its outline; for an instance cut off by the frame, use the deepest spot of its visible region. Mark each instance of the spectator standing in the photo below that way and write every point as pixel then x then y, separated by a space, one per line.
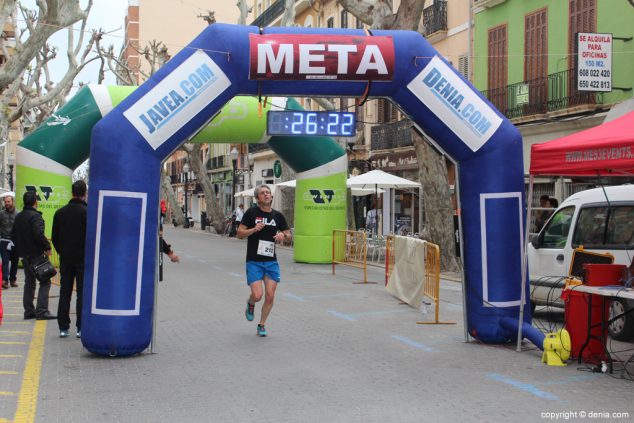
pixel 31 243
pixel 7 251
pixel 262 226
pixel 69 239
pixel 542 215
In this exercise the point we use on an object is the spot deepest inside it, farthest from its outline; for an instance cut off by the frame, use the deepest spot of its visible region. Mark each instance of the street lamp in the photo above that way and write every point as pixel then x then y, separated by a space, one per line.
pixel 251 160
pixel 186 172
pixel 11 162
pixel 234 160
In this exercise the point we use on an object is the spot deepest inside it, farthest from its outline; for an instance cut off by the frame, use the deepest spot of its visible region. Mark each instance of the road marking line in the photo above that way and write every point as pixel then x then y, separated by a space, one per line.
pixel 16 323
pixel 413 343
pixel 6 372
pixel 531 389
pixel 27 400
pixel 15 332
pixel 342 315
pixel 380 313
pixel 294 297
pixel 12 314
pixel 6 393
pixel 12 343
pixel 10 355
pixel 14 301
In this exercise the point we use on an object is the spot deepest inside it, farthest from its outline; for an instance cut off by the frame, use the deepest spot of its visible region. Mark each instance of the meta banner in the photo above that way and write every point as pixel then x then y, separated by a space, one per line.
pixel 321 57
pixel 172 102
pixel 455 103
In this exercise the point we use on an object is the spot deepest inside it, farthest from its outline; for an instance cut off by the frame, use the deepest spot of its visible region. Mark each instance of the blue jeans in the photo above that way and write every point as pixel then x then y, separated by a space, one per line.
pixel 9 262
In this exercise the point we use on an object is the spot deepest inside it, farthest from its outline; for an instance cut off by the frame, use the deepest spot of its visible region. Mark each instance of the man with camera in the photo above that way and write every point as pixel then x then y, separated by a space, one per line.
pixel 31 243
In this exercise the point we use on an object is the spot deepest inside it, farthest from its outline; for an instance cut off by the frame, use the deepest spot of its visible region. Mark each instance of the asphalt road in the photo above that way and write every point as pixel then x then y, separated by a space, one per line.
pixel 336 352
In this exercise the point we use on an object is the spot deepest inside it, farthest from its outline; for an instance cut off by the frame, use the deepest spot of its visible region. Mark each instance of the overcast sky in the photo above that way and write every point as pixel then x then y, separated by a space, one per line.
pixel 108 15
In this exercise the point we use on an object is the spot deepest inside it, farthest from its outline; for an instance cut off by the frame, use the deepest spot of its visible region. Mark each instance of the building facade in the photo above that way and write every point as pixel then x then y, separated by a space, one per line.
pixel 525 63
pixel 145 23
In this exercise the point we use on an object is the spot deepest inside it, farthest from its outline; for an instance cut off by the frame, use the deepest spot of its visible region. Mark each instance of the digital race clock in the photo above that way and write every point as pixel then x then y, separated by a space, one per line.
pixel 334 124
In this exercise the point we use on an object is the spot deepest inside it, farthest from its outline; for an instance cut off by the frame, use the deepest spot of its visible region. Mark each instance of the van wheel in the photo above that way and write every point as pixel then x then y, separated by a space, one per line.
pixel 622 329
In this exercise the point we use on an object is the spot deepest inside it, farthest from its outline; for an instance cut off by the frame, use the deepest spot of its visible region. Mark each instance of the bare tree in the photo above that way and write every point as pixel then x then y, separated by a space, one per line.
pixel 438 224
pixel 25 78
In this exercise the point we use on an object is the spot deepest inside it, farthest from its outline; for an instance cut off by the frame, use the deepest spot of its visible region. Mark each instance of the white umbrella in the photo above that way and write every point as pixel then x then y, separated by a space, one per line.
pixel 378 179
pixel 355 191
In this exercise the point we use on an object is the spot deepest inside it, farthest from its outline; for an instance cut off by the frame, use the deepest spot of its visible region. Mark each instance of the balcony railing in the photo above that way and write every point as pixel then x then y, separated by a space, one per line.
pixel 557 91
pixel 256 148
pixel 270 14
pixel 391 135
pixel 435 17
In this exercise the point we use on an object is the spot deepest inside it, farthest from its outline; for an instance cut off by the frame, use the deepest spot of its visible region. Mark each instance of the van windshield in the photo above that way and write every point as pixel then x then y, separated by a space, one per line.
pixel 605 228
pixel 557 228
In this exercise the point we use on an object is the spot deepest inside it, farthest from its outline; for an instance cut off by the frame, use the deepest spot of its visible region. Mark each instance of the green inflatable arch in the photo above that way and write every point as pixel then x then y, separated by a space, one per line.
pixel 47 158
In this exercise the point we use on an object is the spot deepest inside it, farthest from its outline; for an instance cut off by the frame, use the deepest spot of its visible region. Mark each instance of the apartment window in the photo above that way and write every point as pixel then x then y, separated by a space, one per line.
pixel 344 19
pixel 498 66
pixel 463 66
pixel 536 56
pixel 386 112
pixel 582 19
pixel 330 23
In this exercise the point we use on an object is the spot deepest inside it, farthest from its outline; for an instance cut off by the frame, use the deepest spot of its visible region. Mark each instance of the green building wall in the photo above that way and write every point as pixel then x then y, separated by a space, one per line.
pixel 616 17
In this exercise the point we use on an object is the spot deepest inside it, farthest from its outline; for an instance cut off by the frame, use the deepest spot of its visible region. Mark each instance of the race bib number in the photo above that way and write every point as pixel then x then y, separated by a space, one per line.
pixel 266 248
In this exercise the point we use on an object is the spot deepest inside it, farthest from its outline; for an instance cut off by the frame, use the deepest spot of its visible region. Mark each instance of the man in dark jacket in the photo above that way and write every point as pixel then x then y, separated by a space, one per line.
pixel 28 236
pixel 69 239
pixel 9 257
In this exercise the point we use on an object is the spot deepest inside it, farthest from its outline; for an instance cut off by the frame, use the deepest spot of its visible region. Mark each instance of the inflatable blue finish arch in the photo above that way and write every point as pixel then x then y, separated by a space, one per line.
pixel 129 144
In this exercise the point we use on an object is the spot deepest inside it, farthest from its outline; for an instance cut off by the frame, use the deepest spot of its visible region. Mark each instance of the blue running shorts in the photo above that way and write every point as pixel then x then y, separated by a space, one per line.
pixel 256 270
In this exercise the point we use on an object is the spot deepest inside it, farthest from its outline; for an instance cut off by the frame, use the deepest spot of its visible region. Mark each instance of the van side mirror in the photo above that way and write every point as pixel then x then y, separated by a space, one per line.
pixel 535 241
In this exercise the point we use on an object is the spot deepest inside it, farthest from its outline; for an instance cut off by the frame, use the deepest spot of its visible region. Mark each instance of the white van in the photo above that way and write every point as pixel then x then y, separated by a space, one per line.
pixel 602 221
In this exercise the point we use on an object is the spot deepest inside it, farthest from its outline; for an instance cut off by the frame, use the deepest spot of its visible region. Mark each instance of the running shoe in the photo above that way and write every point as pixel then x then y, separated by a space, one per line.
pixel 78 334
pixel 63 334
pixel 249 311
pixel 261 330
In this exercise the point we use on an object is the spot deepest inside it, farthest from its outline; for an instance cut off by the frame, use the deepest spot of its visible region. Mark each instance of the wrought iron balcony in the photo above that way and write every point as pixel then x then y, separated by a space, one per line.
pixel 270 14
pixel 557 91
pixel 435 18
pixel 391 135
pixel 256 148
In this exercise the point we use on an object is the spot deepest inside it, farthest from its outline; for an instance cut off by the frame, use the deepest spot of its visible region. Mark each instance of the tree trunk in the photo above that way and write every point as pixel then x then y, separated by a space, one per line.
pixel 438 225
pixel 214 211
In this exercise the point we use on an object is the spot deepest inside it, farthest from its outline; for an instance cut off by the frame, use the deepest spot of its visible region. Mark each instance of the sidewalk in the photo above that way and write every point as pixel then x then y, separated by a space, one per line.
pixel 336 352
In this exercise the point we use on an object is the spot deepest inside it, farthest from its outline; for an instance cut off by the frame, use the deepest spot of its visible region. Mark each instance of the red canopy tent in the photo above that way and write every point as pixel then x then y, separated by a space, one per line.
pixel 606 149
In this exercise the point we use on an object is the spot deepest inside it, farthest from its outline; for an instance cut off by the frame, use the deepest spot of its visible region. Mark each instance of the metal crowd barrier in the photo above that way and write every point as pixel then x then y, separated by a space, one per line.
pixel 431 283
pixel 350 248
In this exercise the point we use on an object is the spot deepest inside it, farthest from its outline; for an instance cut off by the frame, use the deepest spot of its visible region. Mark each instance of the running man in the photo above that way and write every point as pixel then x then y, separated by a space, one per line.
pixel 262 226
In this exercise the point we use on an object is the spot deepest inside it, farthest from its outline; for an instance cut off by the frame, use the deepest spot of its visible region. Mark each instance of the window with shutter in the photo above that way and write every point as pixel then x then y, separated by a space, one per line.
pixel 344 19
pixel 582 18
pixel 463 66
pixel 497 67
pixel 330 23
pixel 536 59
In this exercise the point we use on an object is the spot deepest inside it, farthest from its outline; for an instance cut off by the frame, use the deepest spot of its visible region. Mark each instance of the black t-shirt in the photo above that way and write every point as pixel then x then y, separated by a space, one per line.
pixel 274 222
